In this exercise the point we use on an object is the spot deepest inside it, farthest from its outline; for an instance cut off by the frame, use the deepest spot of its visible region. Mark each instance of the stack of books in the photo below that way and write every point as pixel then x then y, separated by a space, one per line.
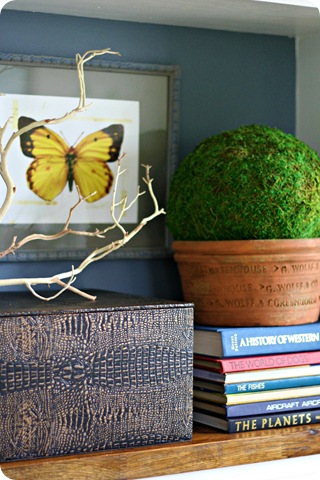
pixel 257 378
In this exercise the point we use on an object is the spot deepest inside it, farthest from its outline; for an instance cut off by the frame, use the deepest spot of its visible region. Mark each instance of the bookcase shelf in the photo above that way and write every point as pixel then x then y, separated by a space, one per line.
pixel 208 449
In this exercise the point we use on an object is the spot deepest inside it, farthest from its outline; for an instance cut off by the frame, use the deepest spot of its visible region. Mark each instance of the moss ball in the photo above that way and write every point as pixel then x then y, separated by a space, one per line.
pixel 255 182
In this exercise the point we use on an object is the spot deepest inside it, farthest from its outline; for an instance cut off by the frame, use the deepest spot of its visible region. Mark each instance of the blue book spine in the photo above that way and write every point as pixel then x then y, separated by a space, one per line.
pixel 246 387
pixel 274 406
pixel 265 422
pixel 248 341
pixel 258 422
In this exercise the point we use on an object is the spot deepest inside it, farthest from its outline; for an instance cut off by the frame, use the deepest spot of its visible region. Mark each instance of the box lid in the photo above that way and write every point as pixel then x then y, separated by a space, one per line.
pixel 15 303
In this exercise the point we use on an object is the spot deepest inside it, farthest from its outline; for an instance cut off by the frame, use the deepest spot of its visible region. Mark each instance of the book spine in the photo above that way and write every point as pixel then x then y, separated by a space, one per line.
pixel 261 408
pixel 266 422
pixel 258 422
pixel 207 375
pixel 246 387
pixel 239 364
pixel 270 340
pixel 253 397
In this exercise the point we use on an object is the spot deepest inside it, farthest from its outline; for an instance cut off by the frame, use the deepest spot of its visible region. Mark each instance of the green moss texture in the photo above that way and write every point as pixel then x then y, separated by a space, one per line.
pixel 255 182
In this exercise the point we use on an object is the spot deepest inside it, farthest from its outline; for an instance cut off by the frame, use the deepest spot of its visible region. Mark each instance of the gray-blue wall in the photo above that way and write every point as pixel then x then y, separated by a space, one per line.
pixel 227 80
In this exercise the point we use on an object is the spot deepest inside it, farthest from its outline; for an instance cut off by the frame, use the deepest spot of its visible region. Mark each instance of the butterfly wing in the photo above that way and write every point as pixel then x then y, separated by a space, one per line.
pixel 47 174
pixel 91 172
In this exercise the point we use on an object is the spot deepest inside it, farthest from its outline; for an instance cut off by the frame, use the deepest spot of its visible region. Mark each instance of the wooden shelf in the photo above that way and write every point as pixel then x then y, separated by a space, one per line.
pixel 208 449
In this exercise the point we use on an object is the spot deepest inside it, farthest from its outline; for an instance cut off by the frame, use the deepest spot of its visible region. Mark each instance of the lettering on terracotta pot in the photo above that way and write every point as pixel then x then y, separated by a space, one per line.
pixel 255 269
pixel 291 302
pixel 285 287
pixel 218 303
pixel 305 267
pixel 238 269
pixel 238 288
pixel 283 269
pixel 240 302
pixel 290 286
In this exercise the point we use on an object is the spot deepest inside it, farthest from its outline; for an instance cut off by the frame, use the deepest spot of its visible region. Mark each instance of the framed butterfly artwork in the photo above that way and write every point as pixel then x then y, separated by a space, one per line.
pixel 133 113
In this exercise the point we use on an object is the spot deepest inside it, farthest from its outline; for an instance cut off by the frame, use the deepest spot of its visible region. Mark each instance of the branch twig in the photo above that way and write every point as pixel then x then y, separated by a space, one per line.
pixel 99 253
pixel 118 208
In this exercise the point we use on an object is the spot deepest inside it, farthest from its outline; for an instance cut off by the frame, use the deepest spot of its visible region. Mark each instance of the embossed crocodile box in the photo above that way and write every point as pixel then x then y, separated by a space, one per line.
pixel 80 376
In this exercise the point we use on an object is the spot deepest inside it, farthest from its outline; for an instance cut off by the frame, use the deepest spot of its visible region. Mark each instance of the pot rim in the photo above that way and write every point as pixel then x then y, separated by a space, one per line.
pixel 240 247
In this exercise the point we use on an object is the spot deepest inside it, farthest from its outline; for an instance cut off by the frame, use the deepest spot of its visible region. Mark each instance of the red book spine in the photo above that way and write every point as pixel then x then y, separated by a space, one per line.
pixel 240 364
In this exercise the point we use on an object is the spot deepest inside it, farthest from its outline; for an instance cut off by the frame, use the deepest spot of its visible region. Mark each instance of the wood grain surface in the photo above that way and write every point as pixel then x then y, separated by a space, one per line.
pixel 208 449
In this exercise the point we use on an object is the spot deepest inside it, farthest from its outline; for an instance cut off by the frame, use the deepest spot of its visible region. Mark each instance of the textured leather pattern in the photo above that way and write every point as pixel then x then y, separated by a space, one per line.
pixel 80 380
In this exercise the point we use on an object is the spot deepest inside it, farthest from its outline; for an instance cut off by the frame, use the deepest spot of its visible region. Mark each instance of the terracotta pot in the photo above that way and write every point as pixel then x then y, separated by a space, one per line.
pixel 251 282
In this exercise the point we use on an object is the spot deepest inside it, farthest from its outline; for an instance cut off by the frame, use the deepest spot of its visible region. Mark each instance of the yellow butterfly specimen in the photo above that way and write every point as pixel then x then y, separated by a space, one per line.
pixel 55 163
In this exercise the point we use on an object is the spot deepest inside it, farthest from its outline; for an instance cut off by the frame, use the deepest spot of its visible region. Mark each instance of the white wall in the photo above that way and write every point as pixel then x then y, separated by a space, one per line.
pixel 302 468
pixel 308 90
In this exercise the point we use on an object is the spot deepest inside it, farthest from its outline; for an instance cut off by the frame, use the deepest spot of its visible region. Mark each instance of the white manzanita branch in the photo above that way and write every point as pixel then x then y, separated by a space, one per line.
pixel 65 280
pixel 66 230
pixel 97 254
